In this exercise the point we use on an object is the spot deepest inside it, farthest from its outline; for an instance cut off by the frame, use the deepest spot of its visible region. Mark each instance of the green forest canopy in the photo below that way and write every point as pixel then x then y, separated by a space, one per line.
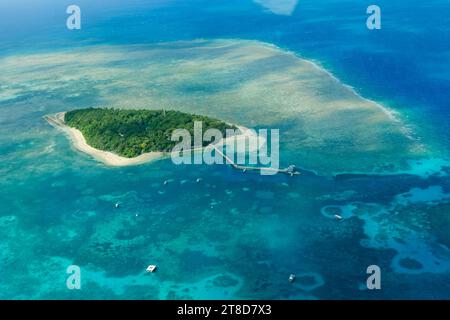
pixel 129 133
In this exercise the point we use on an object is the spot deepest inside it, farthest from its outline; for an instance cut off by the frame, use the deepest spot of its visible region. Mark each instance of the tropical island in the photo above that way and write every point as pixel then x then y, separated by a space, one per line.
pixel 121 137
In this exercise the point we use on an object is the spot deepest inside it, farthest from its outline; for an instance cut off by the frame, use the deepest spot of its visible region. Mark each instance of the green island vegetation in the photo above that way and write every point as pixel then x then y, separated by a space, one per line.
pixel 130 133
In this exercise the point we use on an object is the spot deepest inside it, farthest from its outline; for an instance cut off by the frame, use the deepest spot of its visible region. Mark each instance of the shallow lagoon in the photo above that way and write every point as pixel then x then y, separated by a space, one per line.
pixel 325 126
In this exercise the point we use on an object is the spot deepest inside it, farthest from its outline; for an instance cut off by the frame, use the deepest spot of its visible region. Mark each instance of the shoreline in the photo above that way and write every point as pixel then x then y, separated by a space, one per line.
pixel 113 160
pixel 108 158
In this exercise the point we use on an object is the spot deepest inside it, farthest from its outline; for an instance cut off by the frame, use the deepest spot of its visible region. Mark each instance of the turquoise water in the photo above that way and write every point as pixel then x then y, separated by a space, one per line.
pixel 231 235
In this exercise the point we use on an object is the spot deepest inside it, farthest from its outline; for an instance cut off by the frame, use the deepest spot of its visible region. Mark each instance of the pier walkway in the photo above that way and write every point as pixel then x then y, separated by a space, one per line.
pixel 291 170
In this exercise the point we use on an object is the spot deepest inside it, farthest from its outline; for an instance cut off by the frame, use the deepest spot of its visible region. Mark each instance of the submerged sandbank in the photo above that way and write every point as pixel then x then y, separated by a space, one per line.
pixel 324 125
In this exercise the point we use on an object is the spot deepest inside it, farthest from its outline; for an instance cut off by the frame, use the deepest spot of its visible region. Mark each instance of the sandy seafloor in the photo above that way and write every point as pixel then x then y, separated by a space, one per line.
pixel 232 235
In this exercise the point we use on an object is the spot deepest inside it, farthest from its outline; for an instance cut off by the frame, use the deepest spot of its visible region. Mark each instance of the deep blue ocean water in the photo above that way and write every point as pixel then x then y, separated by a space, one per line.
pixel 227 237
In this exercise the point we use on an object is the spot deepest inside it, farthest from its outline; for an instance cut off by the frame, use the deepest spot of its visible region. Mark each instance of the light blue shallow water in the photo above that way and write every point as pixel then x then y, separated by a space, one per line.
pixel 232 235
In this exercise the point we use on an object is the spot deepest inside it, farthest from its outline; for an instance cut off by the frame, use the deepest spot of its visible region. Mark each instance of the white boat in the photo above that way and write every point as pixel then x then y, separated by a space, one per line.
pixel 292 278
pixel 338 217
pixel 117 205
pixel 151 268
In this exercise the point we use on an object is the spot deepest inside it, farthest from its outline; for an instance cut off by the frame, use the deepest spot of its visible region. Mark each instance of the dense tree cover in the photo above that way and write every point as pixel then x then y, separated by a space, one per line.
pixel 130 133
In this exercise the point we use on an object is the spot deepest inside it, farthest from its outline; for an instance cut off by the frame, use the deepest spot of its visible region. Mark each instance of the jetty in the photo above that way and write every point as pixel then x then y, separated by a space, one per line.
pixel 291 170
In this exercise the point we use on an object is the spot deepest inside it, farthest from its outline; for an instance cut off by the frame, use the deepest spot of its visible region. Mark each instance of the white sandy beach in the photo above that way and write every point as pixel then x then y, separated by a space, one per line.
pixel 114 160
pixel 108 158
